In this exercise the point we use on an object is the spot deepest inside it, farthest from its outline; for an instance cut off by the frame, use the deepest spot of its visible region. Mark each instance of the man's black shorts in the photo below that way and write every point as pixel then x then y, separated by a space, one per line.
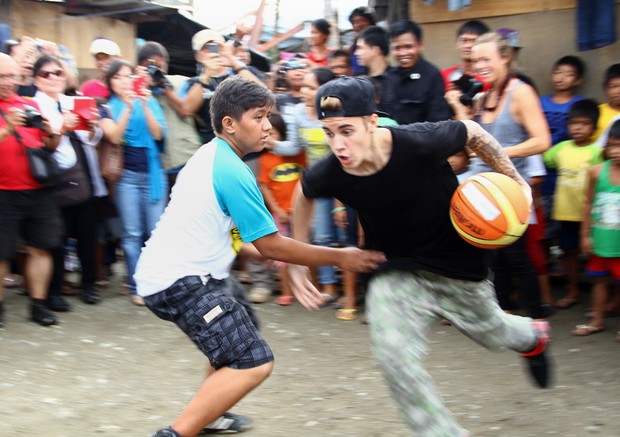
pixel 217 317
pixel 31 214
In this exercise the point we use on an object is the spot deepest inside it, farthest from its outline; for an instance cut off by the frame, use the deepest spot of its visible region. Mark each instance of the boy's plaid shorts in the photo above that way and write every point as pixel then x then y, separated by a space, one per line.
pixel 217 317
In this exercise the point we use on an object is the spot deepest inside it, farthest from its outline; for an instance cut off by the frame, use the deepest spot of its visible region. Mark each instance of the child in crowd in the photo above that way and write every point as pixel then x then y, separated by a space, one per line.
pixel 566 75
pixel 277 178
pixel 572 159
pixel 600 233
pixel 610 109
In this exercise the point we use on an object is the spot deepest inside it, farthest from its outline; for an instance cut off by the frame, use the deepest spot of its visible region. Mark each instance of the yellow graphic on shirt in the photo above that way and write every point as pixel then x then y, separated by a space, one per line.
pixel 286 172
pixel 235 238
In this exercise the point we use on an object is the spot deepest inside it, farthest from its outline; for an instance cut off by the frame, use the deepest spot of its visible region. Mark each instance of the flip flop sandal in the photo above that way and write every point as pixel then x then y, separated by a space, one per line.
pixel 346 314
pixel 584 330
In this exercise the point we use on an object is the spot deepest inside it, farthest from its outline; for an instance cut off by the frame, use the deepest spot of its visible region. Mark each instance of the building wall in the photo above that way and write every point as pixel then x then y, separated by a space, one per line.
pixel 47 21
pixel 547 27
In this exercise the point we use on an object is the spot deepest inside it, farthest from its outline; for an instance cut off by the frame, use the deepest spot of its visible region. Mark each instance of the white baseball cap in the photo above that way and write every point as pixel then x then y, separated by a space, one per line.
pixel 105 46
pixel 205 36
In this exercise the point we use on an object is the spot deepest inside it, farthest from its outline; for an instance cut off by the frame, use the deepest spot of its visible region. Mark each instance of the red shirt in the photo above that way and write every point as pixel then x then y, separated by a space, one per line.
pixel 14 169
pixel 96 89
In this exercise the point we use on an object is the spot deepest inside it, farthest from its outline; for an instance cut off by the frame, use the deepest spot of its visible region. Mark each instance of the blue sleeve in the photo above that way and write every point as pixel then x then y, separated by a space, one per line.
pixel 239 197
pixel 185 88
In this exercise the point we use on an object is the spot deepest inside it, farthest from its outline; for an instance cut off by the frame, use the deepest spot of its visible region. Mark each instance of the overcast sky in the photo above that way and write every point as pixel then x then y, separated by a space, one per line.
pixel 213 14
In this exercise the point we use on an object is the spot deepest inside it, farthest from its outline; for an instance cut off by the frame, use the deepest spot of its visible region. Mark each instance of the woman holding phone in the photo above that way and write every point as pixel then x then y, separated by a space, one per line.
pixel 75 153
pixel 142 190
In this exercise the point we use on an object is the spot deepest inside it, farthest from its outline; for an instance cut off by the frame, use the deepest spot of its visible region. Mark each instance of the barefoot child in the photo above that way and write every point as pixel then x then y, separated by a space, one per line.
pixel 572 159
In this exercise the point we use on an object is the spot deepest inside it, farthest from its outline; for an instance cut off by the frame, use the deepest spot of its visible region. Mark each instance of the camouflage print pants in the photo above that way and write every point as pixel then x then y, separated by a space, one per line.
pixel 401 308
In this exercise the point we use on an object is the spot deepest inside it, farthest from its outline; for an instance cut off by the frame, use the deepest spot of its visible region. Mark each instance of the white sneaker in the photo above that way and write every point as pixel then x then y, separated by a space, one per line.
pixel 259 294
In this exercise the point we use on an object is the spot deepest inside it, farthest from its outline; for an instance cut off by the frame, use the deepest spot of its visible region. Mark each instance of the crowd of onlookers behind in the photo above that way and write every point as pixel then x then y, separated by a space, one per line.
pixel 121 138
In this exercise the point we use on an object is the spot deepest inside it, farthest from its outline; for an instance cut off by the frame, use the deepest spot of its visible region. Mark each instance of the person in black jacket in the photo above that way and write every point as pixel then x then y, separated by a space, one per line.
pixel 414 91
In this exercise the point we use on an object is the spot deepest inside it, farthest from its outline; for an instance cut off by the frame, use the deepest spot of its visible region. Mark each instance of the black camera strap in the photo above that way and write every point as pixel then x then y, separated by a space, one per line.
pixel 16 134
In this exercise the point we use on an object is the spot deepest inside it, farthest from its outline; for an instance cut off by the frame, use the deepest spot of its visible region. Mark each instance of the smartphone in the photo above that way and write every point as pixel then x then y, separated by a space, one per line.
pixel 138 82
pixel 213 47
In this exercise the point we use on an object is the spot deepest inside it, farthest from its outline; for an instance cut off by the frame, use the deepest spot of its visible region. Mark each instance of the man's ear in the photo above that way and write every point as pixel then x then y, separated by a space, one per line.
pixel 228 125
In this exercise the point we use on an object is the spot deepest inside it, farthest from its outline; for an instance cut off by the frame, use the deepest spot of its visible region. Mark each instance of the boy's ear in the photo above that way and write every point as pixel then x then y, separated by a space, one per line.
pixel 228 125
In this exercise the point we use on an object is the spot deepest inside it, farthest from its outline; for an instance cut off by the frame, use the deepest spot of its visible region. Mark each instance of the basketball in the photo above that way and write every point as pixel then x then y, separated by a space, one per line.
pixel 489 210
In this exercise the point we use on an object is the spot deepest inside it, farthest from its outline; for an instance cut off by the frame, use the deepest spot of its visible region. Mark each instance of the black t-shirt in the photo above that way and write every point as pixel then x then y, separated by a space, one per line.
pixel 203 115
pixel 404 207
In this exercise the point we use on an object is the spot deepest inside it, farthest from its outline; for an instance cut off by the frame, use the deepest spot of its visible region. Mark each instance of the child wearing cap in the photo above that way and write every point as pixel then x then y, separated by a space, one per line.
pixel 430 271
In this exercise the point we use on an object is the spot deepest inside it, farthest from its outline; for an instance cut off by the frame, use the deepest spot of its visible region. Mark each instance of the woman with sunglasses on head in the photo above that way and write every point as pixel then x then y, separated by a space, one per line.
pixel 76 153
pixel 142 190
pixel 511 112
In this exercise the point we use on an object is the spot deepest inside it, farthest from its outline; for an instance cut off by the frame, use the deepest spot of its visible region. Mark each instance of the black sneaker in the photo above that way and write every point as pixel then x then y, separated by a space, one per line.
pixel 90 295
pixel 228 423
pixel 57 303
pixel 41 315
pixel 166 432
pixel 539 362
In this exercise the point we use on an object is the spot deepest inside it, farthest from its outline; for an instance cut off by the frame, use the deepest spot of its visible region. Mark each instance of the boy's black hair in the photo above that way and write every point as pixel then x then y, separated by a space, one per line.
pixel 278 123
pixel 405 26
pixel 612 72
pixel 338 53
pixel 375 36
pixel 474 27
pixel 614 132
pixel 322 25
pixel 363 11
pixel 573 61
pixel 150 49
pixel 323 75
pixel 584 108
pixel 236 95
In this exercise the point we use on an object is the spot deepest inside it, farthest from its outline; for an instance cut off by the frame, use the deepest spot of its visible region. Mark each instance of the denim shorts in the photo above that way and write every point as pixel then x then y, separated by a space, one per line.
pixel 217 317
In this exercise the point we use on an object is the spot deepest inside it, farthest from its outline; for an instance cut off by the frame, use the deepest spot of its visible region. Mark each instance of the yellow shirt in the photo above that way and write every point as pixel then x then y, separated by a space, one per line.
pixel 607 113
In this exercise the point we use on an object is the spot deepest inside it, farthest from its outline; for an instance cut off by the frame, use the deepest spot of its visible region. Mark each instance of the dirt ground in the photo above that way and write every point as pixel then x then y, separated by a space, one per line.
pixel 115 369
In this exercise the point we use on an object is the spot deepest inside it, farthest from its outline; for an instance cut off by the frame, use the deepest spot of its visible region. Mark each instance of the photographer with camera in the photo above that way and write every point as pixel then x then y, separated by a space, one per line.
pixel 81 182
pixel 215 62
pixel 28 210
pixel 182 138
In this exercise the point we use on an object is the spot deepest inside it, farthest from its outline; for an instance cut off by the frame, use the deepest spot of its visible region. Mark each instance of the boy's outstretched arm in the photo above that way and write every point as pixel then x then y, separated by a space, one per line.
pixel 300 254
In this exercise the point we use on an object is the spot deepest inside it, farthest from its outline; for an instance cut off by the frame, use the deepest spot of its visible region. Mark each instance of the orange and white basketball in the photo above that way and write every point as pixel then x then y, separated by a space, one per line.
pixel 489 210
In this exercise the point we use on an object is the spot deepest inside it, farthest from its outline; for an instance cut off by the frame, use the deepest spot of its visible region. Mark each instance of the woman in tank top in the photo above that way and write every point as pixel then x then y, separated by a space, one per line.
pixel 511 112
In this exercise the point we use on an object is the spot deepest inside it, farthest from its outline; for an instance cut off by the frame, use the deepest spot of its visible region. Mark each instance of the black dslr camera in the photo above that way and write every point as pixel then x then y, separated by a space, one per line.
pixel 468 85
pixel 33 118
pixel 158 77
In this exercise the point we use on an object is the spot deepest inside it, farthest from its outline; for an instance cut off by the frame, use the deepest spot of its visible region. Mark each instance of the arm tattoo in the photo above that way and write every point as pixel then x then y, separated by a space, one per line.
pixel 486 147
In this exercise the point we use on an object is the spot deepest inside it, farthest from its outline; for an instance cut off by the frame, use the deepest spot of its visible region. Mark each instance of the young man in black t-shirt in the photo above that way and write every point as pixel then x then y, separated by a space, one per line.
pixel 399 181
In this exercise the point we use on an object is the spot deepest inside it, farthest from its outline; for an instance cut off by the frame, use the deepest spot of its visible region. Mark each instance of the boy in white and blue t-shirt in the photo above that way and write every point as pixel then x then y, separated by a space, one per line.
pixel 183 275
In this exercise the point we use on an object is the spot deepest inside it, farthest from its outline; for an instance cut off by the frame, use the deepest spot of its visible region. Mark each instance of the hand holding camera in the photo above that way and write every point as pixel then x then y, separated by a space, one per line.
pixel 468 85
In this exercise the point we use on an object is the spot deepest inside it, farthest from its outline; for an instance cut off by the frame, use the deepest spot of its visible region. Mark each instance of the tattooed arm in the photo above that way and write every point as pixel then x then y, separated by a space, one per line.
pixel 486 147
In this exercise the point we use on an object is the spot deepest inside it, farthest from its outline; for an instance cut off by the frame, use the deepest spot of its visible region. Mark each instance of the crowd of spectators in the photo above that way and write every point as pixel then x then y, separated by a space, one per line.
pixel 160 120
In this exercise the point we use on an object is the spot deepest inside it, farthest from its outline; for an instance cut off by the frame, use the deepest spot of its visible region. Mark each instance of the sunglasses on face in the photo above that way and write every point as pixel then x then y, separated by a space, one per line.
pixel 47 74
